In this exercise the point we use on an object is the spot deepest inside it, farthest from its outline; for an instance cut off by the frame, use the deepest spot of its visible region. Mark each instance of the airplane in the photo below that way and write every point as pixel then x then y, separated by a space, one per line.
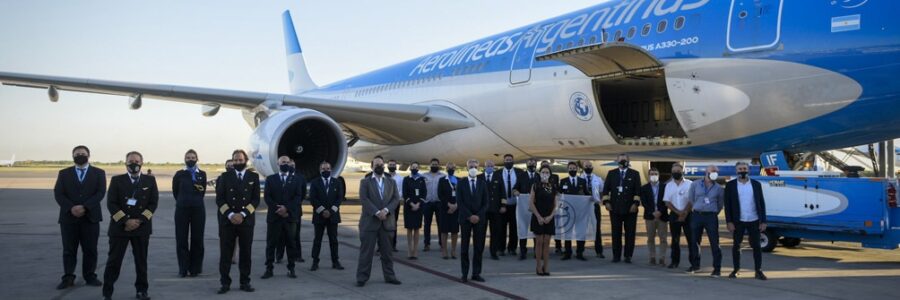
pixel 8 163
pixel 658 79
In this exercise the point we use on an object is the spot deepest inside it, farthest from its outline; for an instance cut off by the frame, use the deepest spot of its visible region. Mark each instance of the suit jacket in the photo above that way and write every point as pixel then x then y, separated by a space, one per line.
pixel 188 191
pixel 648 202
pixel 515 184
pixel 496 195
pixel 472 204
pixel 447 192
pixel 290 194
pixel 69 192
pixel 621 202
pixel 733 203
pixel 237 196
pixel 326 198
pixel 372 201
pixel 120 191
pixel 580 188
pixel 524 183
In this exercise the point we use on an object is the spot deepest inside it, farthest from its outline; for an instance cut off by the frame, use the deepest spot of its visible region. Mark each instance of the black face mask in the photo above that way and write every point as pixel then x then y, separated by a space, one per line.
pixel 284 168
pixel 623 163
pixel 573 173
pixel 326 174
pixel 133 168
pixel 508 165
pixel 240 167
pixel 414 171
pixel 677 175
pixel 80 159
pixel 531 169
pixel 292 169
pixel 435 169
pixel 743 174
pixel 392 169
pixel 450 171
pixel 589 170
pixel 190 163
pixel 379 169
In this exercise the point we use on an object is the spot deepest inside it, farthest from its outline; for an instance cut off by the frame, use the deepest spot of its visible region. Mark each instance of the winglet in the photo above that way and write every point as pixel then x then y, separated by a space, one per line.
pixel 298 75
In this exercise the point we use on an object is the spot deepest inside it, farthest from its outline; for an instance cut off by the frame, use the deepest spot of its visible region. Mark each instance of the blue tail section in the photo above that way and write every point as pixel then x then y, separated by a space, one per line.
pixel 291 42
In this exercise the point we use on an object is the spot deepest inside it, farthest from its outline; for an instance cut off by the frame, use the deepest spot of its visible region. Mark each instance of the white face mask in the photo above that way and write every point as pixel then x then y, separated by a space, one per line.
pixel 545 177
pixel 473 172
pixel 713 175
pixel 654 178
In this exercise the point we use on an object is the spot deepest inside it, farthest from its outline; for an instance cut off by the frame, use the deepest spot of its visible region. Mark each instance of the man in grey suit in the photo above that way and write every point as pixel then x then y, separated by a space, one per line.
pixel 379 199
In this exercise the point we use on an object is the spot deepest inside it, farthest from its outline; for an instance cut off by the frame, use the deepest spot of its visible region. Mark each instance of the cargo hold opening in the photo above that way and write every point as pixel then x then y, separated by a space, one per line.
pixel 638 111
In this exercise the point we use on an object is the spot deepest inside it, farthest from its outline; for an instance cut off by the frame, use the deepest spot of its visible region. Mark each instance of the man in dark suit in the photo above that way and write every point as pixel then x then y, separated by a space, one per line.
pixel 237 197
pixel 510 193
pixel 189 188
pixel 573 185
pixel 283 194
pixel 132 201
pixel 528 178
pixel 496 203
pixel 472 201
pixel 745 210
pixel 656 216
pixel 621 196
pixel 78 191
pixel 378 195
pixel 326 193
pixel 280 248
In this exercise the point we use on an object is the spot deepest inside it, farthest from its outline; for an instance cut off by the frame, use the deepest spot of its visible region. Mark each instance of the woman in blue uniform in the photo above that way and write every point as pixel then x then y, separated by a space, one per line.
pixel 413 197
pixel 448 223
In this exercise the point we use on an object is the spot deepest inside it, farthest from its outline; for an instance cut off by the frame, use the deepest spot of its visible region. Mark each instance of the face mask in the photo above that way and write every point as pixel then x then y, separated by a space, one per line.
pixel 623 163
pixel 677 175
pixel 589 170
pixel 573 173
pixel 326 174
pixel 545 177
pixel 284 168
pixel 713 176
pixel 508 165
pixel 80 159
pixel 134 168
pixel 531 168
pixel 292 169
pixel 473 172
pixel 240 167
pixel 743 174
pixel 489 170
pixel 654 178
pixel 190 163
pixel 379 169
pixel 414 171
pixel 392 169
pixel 450 171
pixel 434 169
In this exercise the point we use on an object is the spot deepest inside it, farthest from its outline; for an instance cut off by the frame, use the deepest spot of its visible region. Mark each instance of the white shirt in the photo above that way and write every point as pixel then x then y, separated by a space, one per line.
pixel 678 194
pixel 596 185
pixel 748 206
pixel 509 178
pixel 240 174
pixel 399 180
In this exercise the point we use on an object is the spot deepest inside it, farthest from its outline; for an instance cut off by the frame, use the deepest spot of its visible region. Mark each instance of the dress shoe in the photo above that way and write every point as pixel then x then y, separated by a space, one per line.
pixel 734 274
pixel 394 282
pixel 301 260
pixel 662 263
pixel 558 251
pixel 692 270
pixel 93 282
pixel 522 256
pixel 653 261
pixel 761 276
pixel 464 279
pixel 278 261
pixel 477 278
pixel 193 274
pixel 616 260
pixel 427 248
pixel 315 266
pixel 567 257
pixel 66 283
pixel 337 266
pixel 360 283
pixel 502 253
pixel 494 257
pixel 268 274
pixel 223 289
pixel 142 296
pixel 182 274
pixel 601 256
pixel 580 257
pixel 673 266
pixel 107 298
pixel 446 257
pixel 512 252
pixel 628 260
pixel 247 288
pixel 715 274
pixel 291 274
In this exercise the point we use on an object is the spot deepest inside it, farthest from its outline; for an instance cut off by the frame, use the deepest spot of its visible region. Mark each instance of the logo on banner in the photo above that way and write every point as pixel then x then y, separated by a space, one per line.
pixel 565 218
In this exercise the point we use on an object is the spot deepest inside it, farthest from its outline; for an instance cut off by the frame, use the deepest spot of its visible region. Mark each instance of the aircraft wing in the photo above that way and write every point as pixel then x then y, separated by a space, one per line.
pixel 382 123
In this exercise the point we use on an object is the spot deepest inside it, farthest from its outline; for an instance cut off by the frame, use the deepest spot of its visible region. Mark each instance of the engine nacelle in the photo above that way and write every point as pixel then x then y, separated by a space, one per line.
pixel 306 136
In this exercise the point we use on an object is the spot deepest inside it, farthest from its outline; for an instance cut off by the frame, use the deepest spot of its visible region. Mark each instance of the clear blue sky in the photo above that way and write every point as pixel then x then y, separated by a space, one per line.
pixel 218 44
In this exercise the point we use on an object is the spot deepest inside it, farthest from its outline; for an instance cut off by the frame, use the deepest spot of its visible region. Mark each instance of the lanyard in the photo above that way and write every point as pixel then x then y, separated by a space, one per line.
pixel 137 186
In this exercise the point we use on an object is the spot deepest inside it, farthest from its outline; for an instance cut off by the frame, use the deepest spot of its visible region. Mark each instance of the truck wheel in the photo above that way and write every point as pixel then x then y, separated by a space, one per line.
pixel 768 240
pixel 790 242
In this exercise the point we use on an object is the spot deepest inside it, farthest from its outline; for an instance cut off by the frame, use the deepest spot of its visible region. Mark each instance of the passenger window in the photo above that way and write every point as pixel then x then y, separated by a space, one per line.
pixel 618 35
pixel 662 26
pixel 679 23
pixel 605 36
pixel 646 30
pixel 631 32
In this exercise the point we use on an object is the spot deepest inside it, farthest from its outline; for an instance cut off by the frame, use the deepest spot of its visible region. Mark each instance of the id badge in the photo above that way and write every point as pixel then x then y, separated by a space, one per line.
pixel 132 202
pixel 706 200
pixel 620 189
pixel 453 194
pixel 565 187
pixel 417 192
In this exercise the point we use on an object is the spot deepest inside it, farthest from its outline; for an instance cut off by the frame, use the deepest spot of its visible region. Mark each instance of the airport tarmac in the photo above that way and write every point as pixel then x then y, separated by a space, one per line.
pixel 31 248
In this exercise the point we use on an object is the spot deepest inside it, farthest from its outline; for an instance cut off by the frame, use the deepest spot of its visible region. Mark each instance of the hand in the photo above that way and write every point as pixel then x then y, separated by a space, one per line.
pixel 381 215
pixel 634 208
pixel 547 219
pixel 608 207
pixel 132 224
pixel 516 193
pixel 326 214
pixel 731 227
pixel 280 209
pixel 682 217
pixel 541 220
pixel 451 208
pixel 237 219
pixel 473 219
pixel 415 207
pixel 762 227
pixel 657 214
pixel 503 210
pixel 77 211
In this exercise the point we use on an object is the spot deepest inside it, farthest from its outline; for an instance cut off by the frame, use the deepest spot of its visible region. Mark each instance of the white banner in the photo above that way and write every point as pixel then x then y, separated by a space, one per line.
pixel 575 218
pixel 523 216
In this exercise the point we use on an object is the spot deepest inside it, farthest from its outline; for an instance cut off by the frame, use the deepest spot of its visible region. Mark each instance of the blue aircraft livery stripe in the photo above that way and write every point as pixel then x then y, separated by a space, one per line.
pixel 291 43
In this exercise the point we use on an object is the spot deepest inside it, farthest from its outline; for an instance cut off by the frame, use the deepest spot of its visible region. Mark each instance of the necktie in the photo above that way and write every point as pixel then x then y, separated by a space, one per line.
pixel 283 178
pixel 589 181
pixel 81 172
pixel 508 184
pixel 472 186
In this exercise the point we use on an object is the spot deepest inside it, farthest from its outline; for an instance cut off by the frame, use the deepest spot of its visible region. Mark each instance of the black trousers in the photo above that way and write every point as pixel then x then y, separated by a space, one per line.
pixel 84 234
pixel 394 233
pixel 280 234
pixel 598 236
pixel 498 232
pixel 477 232
pixel 190 222
pixel 432 212
pixel 320 229
pixel 228 234
pixel 279 253
pixel 117 247
pixel 512 230
pixel 628 222
pixel 676 229
pixel 752 229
